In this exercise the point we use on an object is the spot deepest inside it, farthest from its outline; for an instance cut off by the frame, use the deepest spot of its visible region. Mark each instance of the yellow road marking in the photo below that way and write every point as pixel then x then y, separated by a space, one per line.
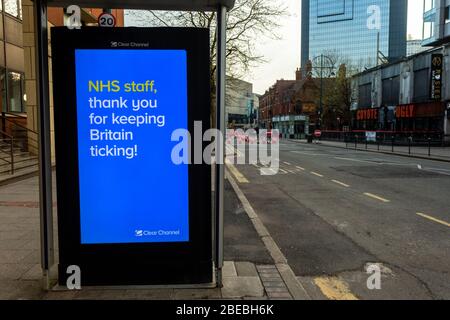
pixel 433 219
pixel 316 174
pixel 341 183
pixel 376 197
pixel 334 288
pixel 239 176
pixel 300 168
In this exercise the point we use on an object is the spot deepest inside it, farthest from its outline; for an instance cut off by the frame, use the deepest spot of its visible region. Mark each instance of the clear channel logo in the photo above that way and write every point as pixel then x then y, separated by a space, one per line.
pixel 138 233
pixel 146 233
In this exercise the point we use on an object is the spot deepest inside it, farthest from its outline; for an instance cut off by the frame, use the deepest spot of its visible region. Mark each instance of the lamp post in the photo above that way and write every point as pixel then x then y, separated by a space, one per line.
pixel 321 67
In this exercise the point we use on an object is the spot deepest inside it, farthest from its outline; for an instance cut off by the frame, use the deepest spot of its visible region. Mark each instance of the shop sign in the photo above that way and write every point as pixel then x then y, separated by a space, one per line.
pixel 405 111
pixel 367 114
pixel 436 76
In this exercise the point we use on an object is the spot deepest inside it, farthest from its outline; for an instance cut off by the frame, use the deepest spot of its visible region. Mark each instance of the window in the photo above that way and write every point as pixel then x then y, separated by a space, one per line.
pixel 365 96
pixel 428 30
pixel 334 10
pixel 428 5
pixel 330 8
pixel 391 91
pixel 3 90
pixel 421 85
pixel 14 8
pixel 15 85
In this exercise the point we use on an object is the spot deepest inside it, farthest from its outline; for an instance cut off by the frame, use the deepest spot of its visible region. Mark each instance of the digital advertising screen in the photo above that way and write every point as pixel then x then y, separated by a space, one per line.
pixel 130 190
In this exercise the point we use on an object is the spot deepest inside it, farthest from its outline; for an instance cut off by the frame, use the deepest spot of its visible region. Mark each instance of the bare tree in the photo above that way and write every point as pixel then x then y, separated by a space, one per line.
pixel 248 22
pixel 337 100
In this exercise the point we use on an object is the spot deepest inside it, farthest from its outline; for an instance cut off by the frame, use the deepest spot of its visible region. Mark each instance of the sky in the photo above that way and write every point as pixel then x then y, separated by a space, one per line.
pixel 283 56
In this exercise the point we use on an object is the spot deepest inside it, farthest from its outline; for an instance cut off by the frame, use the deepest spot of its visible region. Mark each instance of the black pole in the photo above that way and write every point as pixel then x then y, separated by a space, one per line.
pixel 393 139
pixel 3 121
pixel 220 152
pixel 429 147
pixel 409 145
pixel 356 141
pixel 321 92
pixel 45 170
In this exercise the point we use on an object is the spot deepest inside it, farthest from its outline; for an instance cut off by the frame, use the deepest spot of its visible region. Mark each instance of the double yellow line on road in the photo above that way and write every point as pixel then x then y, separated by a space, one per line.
pixel 236 173
pixel 334 288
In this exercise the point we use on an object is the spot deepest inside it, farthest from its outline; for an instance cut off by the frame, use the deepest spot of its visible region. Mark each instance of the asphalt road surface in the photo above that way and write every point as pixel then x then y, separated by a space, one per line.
pixel 334 212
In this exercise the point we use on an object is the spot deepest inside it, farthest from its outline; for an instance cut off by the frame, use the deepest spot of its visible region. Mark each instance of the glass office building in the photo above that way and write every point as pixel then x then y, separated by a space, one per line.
pixel 357 32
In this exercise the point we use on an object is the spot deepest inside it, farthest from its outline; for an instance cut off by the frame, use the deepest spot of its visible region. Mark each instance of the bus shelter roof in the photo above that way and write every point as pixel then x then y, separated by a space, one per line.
pixel 176 5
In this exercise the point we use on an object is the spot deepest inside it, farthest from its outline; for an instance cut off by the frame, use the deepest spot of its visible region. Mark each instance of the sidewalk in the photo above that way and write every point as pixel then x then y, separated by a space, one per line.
pixel 437 153
pixel 249 272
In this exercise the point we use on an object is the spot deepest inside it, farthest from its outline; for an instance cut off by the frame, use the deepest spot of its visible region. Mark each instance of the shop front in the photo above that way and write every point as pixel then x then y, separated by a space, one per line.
pixel 418 120
pixel 420 117
pixel 292 127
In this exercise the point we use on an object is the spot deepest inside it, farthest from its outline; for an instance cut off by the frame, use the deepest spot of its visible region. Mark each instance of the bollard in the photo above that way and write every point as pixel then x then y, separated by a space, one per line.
pixel 393 139
pixel 429 147
pixel 409 145
pixel 356 141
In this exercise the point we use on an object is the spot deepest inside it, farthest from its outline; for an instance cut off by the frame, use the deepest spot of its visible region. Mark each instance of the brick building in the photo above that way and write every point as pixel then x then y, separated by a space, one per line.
pixel 291 106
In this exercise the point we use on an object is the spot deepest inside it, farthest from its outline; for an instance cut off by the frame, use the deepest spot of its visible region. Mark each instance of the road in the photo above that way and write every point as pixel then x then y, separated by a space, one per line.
pixel 333 212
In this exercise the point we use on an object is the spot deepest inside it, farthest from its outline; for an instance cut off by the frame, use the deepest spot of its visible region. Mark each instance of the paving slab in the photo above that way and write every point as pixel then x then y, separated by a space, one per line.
pixel 238 287
pixel 245 269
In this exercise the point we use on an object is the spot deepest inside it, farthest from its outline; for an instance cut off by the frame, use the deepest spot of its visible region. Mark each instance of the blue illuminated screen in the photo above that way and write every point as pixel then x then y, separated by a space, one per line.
pixel 128 104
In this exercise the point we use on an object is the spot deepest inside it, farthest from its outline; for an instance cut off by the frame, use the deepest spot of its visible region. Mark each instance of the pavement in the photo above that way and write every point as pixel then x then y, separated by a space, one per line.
pixel 337 214
pixel 249 271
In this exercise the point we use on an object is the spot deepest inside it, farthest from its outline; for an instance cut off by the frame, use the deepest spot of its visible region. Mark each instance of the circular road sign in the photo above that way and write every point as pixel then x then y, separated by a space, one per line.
pixel 106 20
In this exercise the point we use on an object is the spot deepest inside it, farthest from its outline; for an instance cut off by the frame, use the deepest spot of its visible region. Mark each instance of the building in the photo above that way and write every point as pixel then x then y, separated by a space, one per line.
pixel 291 106
pixel 414 47
pixel 355 32
pixel 17 62
pixel 408 98
pixel 12 70
pixel 241 104
pixel 436 22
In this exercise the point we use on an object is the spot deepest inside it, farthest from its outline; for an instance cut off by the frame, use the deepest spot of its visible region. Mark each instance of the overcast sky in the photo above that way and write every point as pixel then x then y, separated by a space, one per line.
pixel 283 56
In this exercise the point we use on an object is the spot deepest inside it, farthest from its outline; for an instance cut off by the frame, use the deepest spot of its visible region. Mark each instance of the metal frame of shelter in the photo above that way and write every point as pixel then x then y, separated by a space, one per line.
pixel 42 68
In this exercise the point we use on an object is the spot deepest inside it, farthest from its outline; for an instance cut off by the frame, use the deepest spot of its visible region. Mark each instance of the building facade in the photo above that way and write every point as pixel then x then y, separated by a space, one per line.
pixel 436 22
pixel 355 32
pixel 407 98
pixel 241 104
pixel 291 106
pixel 12 71
pixel 414 47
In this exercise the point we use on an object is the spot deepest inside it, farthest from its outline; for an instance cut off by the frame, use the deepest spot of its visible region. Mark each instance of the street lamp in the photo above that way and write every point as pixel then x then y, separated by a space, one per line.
pixel 321 67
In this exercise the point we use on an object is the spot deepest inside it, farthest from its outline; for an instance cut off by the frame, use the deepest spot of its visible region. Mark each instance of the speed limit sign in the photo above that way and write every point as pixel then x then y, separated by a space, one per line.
pixel 106 20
